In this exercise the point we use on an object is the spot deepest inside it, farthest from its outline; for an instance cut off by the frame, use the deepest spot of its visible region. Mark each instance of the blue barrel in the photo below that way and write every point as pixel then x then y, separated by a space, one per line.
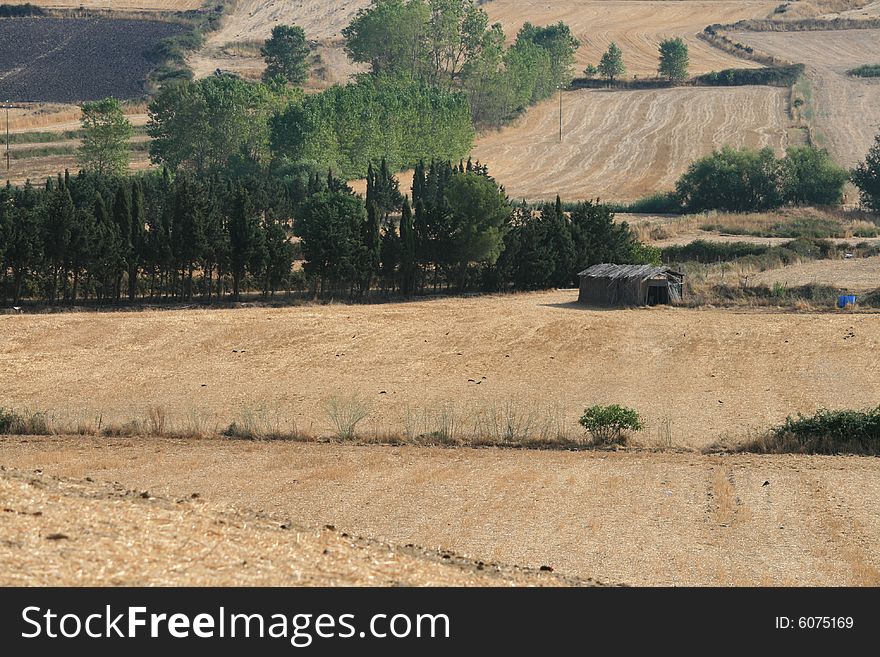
pixel 846 300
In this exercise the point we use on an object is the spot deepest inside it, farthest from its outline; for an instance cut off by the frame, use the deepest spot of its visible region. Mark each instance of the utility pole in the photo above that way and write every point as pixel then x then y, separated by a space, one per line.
pixel 7 139
pixel 560 113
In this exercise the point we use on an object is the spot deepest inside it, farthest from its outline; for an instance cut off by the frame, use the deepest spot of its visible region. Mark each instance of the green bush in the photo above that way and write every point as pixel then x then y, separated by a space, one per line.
pixel 609 425
pixel 660 203
pixel 775 76
pixel 20 11
pixel 825 432
pixel 9 420
pixel 706 252
pixel 865 71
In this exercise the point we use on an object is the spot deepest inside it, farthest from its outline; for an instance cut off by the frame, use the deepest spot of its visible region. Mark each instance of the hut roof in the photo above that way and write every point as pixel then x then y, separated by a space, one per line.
pixel 615 272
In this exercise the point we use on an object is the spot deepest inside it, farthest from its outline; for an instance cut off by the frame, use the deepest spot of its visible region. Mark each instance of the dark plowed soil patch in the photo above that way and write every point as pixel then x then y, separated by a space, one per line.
pixel 69 60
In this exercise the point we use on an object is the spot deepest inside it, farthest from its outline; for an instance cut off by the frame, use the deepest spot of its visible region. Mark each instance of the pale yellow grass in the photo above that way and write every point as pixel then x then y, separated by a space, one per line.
pixel 846 109
pixel 37 169
pixel 620 145
pixel 712 372
pixel 58 532
pixel 856 274
pixel 639 518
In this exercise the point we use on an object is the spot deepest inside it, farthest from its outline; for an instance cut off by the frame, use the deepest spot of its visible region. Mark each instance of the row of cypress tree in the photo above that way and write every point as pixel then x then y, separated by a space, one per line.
pixel 106 239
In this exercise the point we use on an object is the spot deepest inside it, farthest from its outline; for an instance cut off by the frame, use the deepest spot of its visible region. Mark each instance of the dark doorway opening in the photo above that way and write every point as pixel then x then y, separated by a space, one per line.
pixel 658 295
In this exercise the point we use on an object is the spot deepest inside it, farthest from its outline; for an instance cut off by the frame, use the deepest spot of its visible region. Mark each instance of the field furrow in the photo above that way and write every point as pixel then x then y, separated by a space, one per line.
pixel 624 144
pixel 846 109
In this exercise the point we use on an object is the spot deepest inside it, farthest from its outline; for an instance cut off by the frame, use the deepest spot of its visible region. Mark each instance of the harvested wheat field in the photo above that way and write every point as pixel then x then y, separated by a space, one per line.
pixel 621 145
pixel 39 168
pixel 465 364
pixel 252 20
pixel 856 274
pixel 632 517
pixel 846 109
pixel 60 532
pixel 637 26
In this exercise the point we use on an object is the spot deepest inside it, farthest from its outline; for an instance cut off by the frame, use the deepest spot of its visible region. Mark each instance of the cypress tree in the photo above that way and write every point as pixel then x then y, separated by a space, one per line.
pixel 407 250
pixel 136 237
pixel 122 219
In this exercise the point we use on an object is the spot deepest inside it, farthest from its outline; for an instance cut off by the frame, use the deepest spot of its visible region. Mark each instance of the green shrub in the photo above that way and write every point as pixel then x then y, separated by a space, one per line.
pixel 609 425
pixel 775 76
pixel 825 432
pixel 20 11
pixel 706 252
pixel 661 203
pixel 9 420
pixel 865 71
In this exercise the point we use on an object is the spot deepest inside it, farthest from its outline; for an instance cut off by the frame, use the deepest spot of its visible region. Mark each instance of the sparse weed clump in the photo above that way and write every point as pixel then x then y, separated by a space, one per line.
pixel 345 412
pixel 610 425
pixel 24 424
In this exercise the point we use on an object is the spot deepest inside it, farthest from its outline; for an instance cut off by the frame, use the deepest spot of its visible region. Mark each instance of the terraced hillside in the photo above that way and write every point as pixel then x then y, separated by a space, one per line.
pixel 846 109
pixel 637 26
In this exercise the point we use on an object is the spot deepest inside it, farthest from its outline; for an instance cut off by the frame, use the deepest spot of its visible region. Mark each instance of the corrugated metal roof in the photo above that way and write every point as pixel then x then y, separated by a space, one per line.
pixel 615 272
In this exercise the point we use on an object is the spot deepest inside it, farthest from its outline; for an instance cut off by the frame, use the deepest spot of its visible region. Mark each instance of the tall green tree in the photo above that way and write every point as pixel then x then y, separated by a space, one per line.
pixel 559 44
pixel 811 177
pixel 213 125
pixel 329 224
pixel 742 180
pixel 59 219
pixel 106 131
pixel 478 211
pixel 245 237
pixel 408 263
pixel 674 59
pixel 286 54
pixel 866 176
pixel 122 220
pixel 611 65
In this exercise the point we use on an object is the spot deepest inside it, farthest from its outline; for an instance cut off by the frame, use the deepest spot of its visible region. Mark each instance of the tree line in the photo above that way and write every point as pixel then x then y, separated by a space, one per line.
pixel 186 237
pixel 108 238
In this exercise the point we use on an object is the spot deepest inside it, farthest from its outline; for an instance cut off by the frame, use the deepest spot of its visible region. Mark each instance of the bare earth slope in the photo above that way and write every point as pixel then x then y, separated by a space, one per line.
pixel 59 532
pixel 639 518
pixel 710 372
pixel 621 145
pixel 847 109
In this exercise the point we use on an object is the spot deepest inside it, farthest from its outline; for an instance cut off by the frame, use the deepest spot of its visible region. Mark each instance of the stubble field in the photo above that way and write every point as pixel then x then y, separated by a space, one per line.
pixel 846 109
pixel 710 373
pixel 620 145
pixel 634 518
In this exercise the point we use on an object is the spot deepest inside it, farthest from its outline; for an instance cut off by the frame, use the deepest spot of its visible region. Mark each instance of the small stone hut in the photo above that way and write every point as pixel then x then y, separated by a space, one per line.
pixel 630 285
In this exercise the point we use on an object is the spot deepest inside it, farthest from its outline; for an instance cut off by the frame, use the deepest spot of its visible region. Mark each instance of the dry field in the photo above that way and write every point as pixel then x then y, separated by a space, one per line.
pixel 456 362
pixel 60 532
pixel 251 20
pixel 620 145
pixel 856 274
pixel 846 109
pixel 629 517
pixel 114 5
pixel 637 26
